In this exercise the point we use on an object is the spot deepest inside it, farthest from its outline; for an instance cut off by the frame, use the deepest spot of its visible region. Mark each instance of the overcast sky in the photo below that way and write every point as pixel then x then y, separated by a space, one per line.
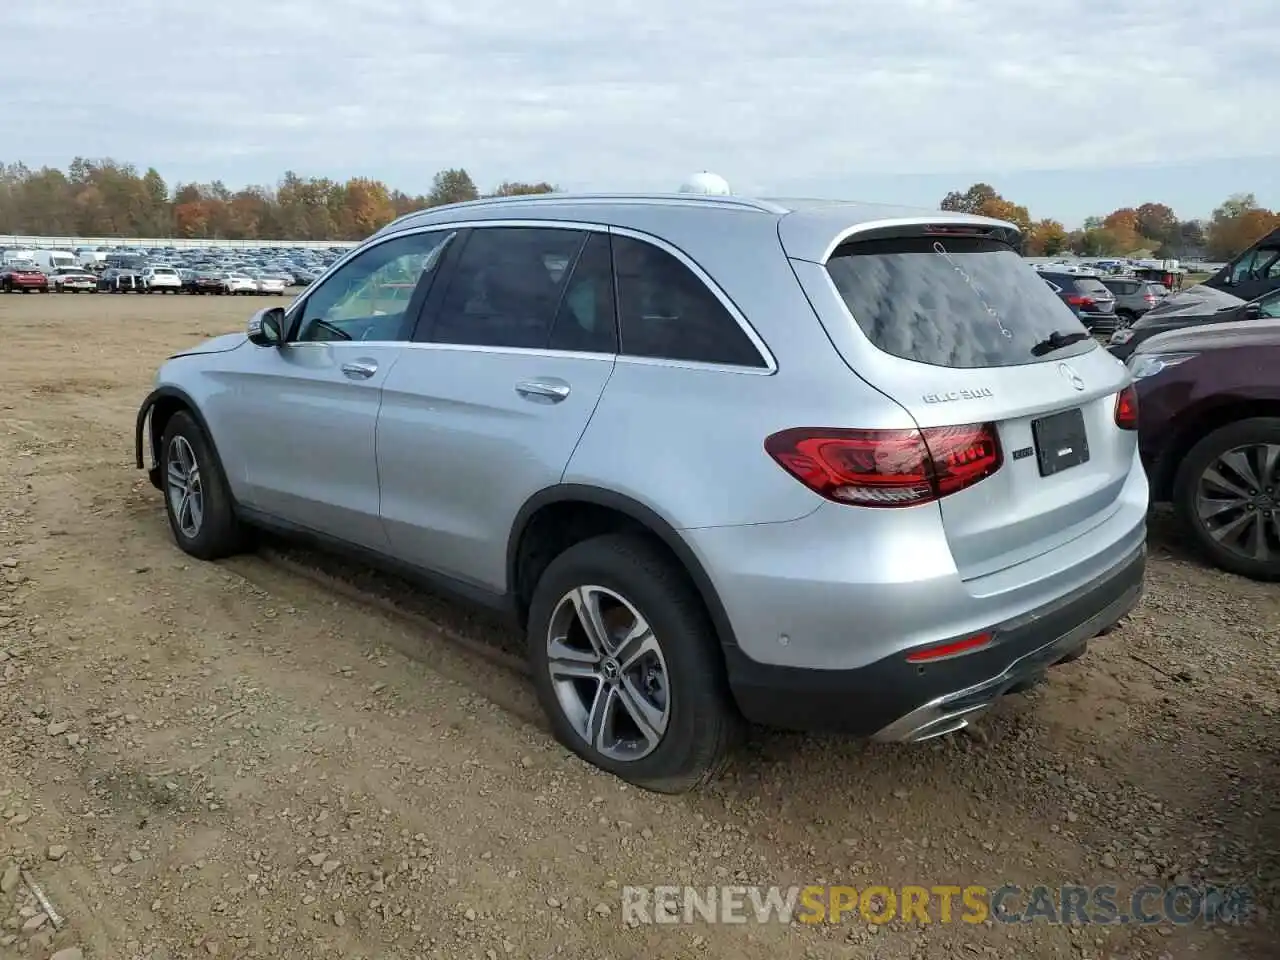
pixel 1070 106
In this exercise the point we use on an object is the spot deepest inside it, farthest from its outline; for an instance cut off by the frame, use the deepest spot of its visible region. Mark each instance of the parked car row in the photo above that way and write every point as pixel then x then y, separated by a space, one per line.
pixel 19 279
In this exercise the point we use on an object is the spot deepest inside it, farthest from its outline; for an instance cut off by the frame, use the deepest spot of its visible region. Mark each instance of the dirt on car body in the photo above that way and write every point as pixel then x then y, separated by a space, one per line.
pixel 243 760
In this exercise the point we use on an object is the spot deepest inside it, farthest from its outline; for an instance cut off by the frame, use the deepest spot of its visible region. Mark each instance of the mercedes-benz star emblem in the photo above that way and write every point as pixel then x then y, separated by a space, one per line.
pixel 1069 374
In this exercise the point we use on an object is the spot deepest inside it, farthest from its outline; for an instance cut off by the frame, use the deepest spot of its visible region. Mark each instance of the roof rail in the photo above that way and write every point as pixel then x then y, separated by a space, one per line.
pixel 745 203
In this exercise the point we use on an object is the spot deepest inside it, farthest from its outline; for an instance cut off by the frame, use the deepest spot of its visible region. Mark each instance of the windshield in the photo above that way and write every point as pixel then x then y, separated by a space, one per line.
pixel 955 302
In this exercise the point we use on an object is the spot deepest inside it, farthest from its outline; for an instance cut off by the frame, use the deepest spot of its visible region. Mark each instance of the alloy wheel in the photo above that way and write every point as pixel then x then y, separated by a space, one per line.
pixel 608 673
pixel 1238 501
pixel 186 493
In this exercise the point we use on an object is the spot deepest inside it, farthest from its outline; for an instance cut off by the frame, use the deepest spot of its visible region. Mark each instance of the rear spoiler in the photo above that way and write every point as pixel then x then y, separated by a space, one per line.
pixel 819 247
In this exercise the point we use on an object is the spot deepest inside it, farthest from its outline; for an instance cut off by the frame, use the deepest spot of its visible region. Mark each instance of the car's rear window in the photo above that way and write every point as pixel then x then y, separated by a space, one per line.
pixel 952 301
pixel 1092 287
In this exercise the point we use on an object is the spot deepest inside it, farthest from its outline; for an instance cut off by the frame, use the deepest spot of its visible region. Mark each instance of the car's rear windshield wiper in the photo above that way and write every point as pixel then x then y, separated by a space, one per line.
pixel 1057 340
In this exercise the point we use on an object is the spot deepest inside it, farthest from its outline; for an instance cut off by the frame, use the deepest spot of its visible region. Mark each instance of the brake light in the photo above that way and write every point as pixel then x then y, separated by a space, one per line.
pixel 1127 408
pixel 887 468
pixel 1150 298
pixel 1079 300
pixel 953 230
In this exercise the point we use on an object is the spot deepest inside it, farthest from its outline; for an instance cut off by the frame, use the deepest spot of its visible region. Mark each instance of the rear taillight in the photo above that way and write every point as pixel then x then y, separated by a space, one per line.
pixel 1127 408
pixel 887 468
pixel 1078 300
pixel 1150 298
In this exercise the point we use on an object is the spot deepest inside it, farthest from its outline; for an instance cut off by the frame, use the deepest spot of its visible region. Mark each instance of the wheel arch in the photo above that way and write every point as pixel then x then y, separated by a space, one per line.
pixel 566 499
pixel 153 416
pixel 1197 422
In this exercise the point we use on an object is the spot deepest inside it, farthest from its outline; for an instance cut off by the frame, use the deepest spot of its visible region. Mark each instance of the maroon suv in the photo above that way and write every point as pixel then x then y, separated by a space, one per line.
pixel 1209 436
pixel 23 280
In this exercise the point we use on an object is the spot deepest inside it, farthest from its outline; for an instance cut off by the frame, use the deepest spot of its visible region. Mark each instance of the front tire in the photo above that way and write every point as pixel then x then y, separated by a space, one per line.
pixel 627 665
pixel 196 495
pixel 1227 497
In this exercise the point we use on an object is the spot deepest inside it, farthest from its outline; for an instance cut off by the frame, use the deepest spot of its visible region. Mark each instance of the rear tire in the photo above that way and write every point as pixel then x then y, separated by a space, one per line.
pixel 197 498
pixel 678 686
pixel 1213 515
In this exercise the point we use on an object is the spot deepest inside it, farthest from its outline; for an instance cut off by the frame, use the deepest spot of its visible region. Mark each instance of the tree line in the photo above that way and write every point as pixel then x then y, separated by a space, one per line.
pixel 1147 230
pixel 105 198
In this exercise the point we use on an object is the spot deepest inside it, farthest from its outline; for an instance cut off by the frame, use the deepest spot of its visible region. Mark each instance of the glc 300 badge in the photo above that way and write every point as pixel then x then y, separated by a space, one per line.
pixel 950 395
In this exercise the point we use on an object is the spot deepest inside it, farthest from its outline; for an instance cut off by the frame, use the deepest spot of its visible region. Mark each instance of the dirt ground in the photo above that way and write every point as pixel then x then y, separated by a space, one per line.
pixel 258 759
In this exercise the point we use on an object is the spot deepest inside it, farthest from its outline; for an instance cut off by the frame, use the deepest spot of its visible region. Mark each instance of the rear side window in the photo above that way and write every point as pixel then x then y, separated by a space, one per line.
pixel 586 321
pixel 506 288
pixel 952 302
pixel 666 311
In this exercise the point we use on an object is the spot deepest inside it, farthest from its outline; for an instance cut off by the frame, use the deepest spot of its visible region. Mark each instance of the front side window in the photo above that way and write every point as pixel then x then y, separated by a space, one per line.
pixel 1269 306
pixel 1260 264
pixel 507 287
pixel 665 311
pixel 366 298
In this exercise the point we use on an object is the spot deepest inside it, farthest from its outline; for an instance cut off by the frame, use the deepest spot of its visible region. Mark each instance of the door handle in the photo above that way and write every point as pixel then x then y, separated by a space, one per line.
pixel 361 369
pixel 543 391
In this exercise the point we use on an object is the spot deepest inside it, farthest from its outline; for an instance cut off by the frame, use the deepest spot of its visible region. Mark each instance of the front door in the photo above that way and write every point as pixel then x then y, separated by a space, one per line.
pixel 309 409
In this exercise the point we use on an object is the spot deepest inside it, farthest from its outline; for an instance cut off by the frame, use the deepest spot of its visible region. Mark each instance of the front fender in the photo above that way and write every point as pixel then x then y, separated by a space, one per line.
pixel 144 439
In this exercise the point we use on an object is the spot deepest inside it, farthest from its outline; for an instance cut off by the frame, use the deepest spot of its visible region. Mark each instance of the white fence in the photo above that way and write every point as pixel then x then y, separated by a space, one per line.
pixel 70 243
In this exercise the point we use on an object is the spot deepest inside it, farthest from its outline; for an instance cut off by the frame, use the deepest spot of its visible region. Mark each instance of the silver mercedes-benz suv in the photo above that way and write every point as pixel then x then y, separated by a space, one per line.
pixel 810 464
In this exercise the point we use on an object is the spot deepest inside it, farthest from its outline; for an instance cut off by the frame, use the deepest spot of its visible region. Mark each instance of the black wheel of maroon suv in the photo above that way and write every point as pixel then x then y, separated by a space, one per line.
pixel 1227 495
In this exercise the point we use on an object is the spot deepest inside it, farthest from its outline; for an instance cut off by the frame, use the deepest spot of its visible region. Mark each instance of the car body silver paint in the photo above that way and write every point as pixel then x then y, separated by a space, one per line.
pixel 432 460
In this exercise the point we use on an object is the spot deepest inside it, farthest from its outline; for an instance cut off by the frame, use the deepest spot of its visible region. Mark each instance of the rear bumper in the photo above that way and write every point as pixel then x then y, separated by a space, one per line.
pixel 891 699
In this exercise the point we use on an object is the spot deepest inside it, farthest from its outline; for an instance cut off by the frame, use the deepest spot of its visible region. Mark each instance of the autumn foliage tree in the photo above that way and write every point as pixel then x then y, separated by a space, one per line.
pixel 1149 229
pixel 104 198
pixel 1237 224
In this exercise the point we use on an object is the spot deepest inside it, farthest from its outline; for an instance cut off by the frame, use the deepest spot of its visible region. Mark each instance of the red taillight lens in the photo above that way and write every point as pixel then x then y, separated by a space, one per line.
pixel 1150 298
pixel 1127 408
pixel 887 468
pixel 1078 300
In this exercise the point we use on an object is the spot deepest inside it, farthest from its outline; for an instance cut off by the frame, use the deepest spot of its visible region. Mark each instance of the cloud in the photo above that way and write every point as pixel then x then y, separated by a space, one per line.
pixel 635 94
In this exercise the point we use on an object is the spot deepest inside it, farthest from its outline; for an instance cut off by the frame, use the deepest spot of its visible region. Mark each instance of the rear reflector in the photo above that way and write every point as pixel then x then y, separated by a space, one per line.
pixel 887 468
pixel 951 649
pixel 1127 408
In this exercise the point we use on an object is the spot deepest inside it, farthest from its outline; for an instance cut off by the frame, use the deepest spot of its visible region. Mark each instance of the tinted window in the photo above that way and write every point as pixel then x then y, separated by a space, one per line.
pixel 965 302
pixel 1270 305
pixel 1092 287
pixel 586 320
pixel 666 311
pixel 506 288
pixel 366 298
pixel 1121 287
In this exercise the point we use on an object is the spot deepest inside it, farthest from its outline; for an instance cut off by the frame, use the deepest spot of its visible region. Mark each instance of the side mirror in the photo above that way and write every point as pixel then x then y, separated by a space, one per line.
pixel 1252 311
pixel 266 327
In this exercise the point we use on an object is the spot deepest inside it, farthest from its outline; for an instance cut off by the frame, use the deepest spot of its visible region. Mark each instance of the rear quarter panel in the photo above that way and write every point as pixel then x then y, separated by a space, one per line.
pixel 688 440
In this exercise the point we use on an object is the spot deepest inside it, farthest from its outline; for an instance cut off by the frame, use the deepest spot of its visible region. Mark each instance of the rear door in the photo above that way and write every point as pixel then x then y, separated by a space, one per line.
pixel 487 405
pixel 957 330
